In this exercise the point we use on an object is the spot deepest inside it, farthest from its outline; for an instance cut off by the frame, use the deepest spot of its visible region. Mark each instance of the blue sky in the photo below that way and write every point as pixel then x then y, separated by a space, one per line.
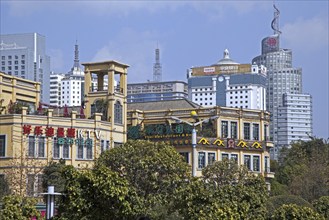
pixel 188 33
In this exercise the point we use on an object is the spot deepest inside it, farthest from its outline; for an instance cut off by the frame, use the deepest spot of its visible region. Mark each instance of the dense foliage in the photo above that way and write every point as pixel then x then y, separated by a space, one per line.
pixel 304 170
pixel 52 176
pixel 18 208
pixel 226 191
pixel 292 211
pixel 322 206
pixel 145 179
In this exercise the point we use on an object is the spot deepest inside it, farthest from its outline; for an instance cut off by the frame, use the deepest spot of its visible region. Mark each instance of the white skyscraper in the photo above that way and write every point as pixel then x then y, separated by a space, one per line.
pixel 282 78
pixel 294 119
pixel 24 55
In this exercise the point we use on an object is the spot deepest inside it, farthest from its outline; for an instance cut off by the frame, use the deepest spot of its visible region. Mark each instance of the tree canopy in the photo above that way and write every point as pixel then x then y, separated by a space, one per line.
pixel 304 169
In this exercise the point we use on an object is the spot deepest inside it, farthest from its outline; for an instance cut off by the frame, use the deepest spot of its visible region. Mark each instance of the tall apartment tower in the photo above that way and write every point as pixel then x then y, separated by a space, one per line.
pixel 157 68
pixel 24 55
pixel 282 79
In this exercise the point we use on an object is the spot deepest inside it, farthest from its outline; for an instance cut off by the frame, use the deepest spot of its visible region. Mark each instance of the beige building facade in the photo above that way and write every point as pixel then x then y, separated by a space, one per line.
pixel 31 137
pixel 239 134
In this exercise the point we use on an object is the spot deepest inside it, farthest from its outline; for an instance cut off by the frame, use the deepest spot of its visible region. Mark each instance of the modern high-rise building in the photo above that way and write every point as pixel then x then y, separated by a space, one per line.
pixel 282 78
pixel 24 55
pixel 56 89
pixel 294 119
pixel 156 91
pixel 228 84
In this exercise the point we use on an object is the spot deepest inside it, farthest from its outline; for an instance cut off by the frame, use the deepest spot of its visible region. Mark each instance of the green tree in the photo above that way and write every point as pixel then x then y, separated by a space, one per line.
pixel 226 191
pixel 52 176
pixel 15 207
pixel 139 178
pixel 275 202
pixel 322 206
pixel 304 168
pixel 292 211
pixel 95 194
pixel 4 187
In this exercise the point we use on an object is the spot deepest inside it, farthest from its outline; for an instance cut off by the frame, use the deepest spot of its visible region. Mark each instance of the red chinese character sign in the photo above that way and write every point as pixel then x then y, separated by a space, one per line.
pixel 71 132
pixel 60 132
pixel 38 130
pixel 50 131
pixel 26 129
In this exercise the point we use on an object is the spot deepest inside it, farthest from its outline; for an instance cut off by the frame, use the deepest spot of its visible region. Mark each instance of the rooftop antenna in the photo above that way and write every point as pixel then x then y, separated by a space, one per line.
pixel 275 21
pixel 76 55
pixel 157 69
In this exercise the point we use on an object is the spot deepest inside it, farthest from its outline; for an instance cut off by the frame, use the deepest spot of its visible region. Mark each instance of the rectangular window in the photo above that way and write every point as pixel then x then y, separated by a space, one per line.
pixel 256 163
pixel 234 130
pixel 185 156
pixel 246 131
pixel 80 148
pixel 267 164
pixel 2 145
pixel 56 148
pixel 201 160
pixel 255 131
pixel 247 161
pixel 66 151
pixel 211 158
pixel 39 183
pixel 31 151
pixel 89 148
pixel 41 147
pixel 224 129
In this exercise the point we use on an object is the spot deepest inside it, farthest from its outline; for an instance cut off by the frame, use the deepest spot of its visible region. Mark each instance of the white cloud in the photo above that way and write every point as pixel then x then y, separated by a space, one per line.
pixel 307 35
pixel 133 48
pixel 212 9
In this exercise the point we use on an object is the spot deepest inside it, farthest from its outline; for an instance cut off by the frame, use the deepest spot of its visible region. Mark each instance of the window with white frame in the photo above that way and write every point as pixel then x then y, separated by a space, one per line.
pixel 85 148
pixel 36 146
pixel 246 131
pixel 206 158
pixel 234 129
pixel 105 145
pixel 61 149
pixel 252 162
pixel 230 156
pixel 211 158
pixel 224 128
pixel 201 160
pixel 267 164
pixel 255 131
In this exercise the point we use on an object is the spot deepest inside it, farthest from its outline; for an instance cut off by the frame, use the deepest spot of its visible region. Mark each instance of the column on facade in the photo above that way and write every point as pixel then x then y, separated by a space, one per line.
pixel 87 90
pixel 110 92
pixel 49 139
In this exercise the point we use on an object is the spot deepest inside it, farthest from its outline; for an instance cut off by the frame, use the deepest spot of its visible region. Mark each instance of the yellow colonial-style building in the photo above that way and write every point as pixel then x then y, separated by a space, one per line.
pixel 233 133
pixel 31 136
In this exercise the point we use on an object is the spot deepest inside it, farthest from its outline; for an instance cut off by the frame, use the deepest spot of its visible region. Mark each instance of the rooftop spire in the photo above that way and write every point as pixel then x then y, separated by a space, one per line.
pixel 76 55
pixel 275 21
pixel 157 69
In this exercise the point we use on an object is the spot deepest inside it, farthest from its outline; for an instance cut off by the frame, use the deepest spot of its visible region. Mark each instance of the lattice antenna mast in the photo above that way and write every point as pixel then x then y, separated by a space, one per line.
pixel 275 21
pixel 157 69
pixel 76 55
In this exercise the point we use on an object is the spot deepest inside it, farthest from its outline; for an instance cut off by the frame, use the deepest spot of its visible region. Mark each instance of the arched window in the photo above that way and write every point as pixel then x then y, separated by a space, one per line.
pixel 117 113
